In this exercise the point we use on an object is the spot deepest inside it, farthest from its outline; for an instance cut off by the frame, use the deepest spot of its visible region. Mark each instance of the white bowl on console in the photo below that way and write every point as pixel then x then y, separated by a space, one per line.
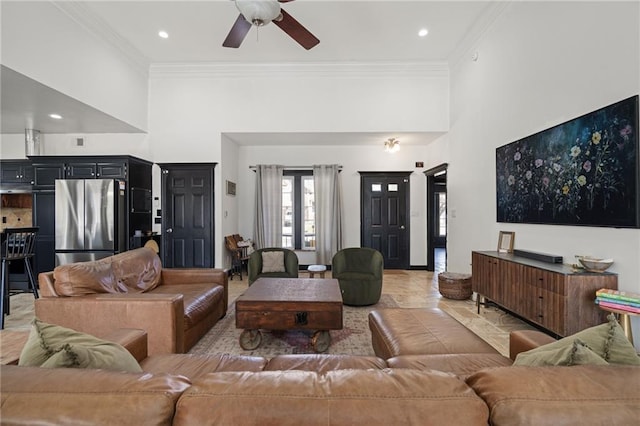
pixel 593 264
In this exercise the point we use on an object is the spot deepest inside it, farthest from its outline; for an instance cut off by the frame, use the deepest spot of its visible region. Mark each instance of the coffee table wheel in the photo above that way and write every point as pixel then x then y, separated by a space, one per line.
pixel 321 340
pixel 250 339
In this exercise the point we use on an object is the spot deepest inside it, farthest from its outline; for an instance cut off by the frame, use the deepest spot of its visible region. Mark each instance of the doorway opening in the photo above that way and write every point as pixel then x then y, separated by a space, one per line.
pixel 437 225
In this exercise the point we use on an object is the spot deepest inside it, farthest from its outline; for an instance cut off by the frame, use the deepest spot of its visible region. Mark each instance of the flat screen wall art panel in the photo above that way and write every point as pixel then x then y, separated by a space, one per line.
pixel 581 172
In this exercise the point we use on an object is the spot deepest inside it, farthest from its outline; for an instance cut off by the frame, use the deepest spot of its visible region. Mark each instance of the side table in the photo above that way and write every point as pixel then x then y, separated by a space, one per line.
pixel 316 269
pixel 624 318
pixel 453 285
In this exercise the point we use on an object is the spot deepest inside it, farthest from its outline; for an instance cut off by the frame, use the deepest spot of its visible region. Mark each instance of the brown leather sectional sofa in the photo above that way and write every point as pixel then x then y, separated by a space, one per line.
pixel 415 388
pixel 430 339
pixel 176 307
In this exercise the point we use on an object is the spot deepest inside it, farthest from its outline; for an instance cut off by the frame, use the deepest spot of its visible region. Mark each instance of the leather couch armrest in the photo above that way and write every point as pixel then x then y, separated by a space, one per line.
pixel 132 339
pixel 160 315
pixel 213 276
pixel 524 340
pixel 45 282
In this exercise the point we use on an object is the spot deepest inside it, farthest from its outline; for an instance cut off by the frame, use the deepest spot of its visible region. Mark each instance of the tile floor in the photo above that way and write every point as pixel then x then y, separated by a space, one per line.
pixel 416 289
pixel 408 288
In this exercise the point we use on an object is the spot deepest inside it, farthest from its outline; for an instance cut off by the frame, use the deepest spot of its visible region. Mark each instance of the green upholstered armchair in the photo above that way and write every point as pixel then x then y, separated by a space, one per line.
pixel 256 264
pixel 359 272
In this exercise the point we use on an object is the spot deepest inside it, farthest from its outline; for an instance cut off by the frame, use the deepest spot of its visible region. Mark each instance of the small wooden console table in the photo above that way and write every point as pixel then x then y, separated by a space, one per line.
pixel 553 296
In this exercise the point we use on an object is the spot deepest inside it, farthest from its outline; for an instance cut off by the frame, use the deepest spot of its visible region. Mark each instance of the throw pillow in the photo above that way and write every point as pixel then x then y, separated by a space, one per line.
pixel 273 261
pixel 576 354
pixel 82 278
pixel 52 346
pixel 137 270
pixel 606 340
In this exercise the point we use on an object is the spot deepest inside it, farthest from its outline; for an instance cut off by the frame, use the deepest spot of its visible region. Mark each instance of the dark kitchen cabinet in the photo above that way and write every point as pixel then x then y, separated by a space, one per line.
pixel 45 175
pixel 44 212
pixel 115 170
pixel 16 171
pixel 134 172
pixel 80 171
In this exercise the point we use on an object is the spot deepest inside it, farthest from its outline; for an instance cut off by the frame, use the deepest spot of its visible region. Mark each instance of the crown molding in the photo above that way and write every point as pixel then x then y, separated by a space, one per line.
pixel 477 32
pixel 96 26
pixel 292 70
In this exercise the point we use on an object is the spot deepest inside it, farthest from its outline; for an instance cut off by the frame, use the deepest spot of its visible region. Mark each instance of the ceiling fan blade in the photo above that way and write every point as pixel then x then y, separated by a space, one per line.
pixel 238 32
pixel 296 31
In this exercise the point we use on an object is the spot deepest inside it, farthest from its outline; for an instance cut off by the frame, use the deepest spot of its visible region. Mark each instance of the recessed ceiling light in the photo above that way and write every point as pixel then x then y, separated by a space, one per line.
pixel 163 34
pixel 423 32
pixel 55 116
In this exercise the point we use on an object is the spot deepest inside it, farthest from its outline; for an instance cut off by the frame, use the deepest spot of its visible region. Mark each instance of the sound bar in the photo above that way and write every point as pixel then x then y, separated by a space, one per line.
pixel 543 257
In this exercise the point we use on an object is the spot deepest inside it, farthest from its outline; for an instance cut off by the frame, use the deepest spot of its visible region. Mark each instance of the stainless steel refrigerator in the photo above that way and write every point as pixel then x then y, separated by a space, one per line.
pixel 90 219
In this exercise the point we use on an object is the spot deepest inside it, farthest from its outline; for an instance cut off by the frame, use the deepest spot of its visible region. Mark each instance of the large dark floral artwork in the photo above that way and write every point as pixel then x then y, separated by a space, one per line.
pixel 582 172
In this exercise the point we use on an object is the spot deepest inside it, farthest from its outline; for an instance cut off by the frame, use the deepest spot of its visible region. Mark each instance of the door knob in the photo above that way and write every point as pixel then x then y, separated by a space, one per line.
pixel 169 230
pixel 401 226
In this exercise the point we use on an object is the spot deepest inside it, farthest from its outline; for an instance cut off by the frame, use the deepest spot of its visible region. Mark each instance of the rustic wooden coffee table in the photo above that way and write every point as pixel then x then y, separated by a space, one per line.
pixel 290 304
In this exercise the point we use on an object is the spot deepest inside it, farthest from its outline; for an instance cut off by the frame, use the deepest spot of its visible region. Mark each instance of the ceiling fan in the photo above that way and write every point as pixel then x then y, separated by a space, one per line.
pixel 260 13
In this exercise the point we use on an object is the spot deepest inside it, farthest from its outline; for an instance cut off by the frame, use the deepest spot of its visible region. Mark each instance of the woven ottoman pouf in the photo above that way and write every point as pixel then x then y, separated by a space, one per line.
pixel 453 285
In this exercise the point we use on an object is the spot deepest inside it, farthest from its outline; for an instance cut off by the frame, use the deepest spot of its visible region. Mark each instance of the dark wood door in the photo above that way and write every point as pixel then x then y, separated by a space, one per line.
pixel 187 215
pixel 384 208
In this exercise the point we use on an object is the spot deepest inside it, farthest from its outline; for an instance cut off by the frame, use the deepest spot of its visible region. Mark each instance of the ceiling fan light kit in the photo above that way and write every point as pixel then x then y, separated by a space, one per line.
pixel 259 13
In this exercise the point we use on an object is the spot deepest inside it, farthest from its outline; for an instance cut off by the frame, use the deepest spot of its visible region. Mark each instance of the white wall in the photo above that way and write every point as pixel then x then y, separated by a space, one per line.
pixel 353 159
pixel 228 212
pixel 540 64
pixel 42 42
pixel 136 144
pixel 192 106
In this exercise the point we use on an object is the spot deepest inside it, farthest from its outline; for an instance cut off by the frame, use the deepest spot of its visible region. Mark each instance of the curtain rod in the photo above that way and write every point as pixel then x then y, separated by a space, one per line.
pixel 294 167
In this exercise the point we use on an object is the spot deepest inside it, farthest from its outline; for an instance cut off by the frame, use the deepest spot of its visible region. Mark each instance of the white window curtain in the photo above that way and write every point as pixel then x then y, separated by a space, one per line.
pixel 328 209
pixel 268 225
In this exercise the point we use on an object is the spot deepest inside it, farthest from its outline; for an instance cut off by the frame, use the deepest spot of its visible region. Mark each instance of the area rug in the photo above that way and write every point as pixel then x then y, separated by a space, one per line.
pixel 353 339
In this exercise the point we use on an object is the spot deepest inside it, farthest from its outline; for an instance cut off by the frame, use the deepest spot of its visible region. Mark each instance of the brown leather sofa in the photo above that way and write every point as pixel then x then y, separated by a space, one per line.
pixel 325 390
pixel 176 307
pixel 225 389
pixel 430 339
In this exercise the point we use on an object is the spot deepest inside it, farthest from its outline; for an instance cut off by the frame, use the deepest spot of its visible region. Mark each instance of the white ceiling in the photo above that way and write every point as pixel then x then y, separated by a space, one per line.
pixel 352 31
pixel 349 30
pixel 26 104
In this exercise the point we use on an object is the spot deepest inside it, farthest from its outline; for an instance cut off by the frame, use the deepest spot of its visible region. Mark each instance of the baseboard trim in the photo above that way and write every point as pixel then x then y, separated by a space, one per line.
pixel 419 268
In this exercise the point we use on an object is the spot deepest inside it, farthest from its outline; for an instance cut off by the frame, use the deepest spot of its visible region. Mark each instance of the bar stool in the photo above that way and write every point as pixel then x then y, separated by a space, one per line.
pixel 18 244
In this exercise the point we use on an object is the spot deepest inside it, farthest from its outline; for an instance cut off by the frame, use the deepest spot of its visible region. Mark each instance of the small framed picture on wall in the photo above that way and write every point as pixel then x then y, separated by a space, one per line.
pixel 505 241
pixel 231 188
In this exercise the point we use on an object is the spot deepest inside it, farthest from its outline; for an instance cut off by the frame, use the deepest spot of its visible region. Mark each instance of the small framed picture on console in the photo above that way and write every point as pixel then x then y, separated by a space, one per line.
pixel 505 241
